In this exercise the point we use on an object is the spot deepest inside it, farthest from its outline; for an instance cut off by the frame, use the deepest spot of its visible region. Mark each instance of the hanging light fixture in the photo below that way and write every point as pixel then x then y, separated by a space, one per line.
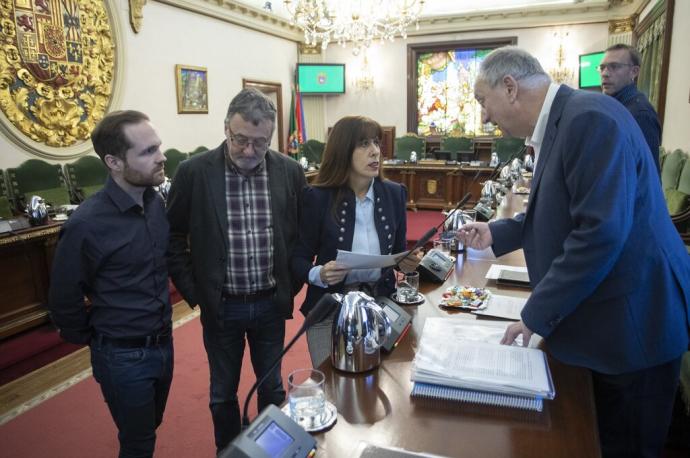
pixel 365 80
pixel 361 22
pixel 561 73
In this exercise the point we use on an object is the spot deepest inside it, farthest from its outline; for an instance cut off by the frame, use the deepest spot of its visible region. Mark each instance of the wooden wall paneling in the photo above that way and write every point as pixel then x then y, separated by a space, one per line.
pixel 25 262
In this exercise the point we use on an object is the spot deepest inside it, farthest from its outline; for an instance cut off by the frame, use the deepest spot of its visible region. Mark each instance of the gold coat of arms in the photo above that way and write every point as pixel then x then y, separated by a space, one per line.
pixel 57 60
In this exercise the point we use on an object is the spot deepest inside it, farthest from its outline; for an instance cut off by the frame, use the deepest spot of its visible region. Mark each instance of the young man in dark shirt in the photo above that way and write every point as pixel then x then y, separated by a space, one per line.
pixel 619 69
pixel 112 250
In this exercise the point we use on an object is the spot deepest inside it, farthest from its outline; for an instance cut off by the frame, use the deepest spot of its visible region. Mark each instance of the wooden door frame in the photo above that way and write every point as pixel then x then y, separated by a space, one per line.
pixel 268 87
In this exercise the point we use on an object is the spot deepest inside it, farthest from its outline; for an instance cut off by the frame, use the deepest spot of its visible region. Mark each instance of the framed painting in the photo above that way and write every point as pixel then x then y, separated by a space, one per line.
pixel 192 89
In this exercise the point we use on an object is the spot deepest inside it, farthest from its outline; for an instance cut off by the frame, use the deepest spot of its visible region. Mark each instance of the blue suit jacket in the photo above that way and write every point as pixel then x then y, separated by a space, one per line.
pixel 610 275
pixel 322 233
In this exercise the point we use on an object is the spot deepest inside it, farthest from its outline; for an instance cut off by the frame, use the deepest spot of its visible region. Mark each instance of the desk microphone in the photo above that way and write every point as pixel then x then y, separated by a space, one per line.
pixel 321 310
pixel 500 165
pixel 428 234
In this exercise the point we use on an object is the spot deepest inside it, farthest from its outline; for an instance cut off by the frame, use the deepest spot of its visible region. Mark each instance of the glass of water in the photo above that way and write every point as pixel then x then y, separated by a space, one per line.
pixel 407 287
pixel 306 397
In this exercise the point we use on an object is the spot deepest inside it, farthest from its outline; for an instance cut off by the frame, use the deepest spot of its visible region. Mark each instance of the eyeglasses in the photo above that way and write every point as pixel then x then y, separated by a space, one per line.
pixel 367 142
pixel 241 141
pixel 613 66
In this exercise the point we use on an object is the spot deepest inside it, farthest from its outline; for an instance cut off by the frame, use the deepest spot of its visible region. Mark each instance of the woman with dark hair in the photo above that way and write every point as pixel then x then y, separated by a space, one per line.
pixel 351 207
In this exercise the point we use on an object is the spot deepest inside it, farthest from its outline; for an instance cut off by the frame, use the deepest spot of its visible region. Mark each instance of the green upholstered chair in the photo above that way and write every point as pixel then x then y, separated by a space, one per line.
pixel 198 150
pixel 5 202
pixel 173 158
pixel 86 175
pixel 312 150
pixel 410 142
pixel 673 165
pixel 675 180
pixel 505 147
pixel 36 177
pixel 458 145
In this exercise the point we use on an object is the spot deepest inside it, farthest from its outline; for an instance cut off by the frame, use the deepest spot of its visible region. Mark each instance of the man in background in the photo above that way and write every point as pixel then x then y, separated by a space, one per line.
pixel 610 274
pixel 619 70
pixel 233 215
pixel 112 250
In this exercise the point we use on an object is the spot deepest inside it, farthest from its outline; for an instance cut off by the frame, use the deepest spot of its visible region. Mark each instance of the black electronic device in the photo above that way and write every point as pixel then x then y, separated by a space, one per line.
pixel 442 155
pixel 436 266
pixel 271 435
pixel 513 278
pixel 400 320
pixel 13 225
pixel 484 212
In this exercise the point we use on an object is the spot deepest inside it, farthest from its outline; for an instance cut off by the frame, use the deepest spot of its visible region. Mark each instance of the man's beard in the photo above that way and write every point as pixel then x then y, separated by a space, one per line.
pixel 136 178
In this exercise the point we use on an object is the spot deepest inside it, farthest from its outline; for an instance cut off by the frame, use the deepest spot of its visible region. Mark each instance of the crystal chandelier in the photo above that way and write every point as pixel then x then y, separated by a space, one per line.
pixel 561 73
pixel 361 22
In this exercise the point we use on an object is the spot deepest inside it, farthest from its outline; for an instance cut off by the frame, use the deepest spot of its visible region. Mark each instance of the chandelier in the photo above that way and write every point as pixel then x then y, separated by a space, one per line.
pixel 361 22
pixel 561 73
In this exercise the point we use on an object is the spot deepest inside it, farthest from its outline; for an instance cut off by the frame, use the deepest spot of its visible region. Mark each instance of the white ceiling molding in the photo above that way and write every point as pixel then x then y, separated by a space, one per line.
pixel 240 14
pixel 585 11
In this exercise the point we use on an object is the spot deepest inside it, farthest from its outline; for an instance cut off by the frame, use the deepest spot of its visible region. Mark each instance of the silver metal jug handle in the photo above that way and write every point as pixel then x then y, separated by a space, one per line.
pixel 382 335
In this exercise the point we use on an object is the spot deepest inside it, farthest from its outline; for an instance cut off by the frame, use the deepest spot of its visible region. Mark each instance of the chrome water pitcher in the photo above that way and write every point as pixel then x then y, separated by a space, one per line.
pixel 360 328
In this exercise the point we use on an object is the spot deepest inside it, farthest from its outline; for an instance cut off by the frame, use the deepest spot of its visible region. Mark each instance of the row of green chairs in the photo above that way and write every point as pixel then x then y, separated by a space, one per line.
pixel 457 147
pixel 72 184
pixel 37 177
pixel 174 157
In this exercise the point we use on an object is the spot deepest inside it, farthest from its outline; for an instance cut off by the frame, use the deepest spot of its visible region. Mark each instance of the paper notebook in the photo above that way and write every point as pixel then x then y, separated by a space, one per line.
pixel 450 365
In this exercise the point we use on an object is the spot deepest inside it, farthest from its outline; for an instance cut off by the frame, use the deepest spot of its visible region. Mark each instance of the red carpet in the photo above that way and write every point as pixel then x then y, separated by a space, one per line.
pixel 421 221
pixel 76 423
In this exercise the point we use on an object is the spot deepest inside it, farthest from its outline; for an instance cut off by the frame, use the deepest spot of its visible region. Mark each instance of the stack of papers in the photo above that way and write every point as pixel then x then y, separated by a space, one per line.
pixel 461 360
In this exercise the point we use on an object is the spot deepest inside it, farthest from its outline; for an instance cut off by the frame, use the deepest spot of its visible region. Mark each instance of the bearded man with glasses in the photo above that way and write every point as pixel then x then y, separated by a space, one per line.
pixel 619 70
pixel 233 214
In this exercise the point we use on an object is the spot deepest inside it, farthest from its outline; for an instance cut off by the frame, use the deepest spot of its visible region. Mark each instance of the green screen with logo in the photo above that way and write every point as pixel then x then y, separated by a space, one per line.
pixel 589 76
pixel 321 78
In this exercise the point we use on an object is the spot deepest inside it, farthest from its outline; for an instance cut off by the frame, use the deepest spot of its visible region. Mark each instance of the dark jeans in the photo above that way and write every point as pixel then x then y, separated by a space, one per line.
pixel 634 410
pixel 135 383
pixel 264 328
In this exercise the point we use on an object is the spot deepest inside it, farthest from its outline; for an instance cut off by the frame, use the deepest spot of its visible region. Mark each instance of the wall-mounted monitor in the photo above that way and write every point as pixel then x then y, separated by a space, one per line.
pixel 589 76
pixel 321 78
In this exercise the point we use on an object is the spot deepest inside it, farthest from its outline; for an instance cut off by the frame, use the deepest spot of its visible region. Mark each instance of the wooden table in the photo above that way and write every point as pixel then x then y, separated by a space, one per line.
pixel 376 407
pixel 26 258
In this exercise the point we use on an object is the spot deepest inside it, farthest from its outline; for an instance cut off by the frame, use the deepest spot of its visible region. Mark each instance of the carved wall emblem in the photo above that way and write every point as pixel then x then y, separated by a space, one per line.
pixel 57 61
pixel 431 187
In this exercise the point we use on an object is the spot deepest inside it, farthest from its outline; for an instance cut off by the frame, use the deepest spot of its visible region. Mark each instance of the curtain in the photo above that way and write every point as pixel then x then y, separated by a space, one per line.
pixel 651 47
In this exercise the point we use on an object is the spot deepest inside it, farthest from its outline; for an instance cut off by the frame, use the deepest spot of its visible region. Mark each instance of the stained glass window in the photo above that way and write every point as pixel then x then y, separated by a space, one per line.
pixel 445 93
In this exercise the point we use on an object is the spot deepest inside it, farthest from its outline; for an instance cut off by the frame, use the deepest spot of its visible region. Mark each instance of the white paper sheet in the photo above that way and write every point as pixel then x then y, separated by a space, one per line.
pixel 495 269
pixel 503 307
pixel 367 261
pixel 453 353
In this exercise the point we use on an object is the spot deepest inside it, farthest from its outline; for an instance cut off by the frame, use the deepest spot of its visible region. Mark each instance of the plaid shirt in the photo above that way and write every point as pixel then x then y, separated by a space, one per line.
pixel 250 231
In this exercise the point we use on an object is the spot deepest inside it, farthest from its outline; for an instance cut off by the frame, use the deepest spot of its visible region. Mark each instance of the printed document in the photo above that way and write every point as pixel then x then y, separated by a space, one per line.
pixel 367 261
pixel 448 355
pixel 496 269
pixel 503 307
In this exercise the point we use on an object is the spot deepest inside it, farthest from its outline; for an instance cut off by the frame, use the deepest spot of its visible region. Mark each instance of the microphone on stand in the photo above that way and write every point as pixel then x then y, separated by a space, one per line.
pixel 321 310
pixel 430 233
pixel 500 165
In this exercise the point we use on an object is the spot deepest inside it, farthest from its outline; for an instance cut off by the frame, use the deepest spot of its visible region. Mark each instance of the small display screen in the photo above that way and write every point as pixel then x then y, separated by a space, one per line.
pixel 321 78
pixel 589 76
pixel 392 314
pixel 274 440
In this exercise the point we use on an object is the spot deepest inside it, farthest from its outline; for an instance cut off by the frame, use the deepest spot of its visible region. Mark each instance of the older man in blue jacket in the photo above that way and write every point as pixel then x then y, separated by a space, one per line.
pixel 610 275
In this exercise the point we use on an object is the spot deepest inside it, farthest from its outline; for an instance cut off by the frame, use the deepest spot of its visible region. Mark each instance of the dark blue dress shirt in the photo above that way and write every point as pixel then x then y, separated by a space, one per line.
pixel 112 251
pixel 643 112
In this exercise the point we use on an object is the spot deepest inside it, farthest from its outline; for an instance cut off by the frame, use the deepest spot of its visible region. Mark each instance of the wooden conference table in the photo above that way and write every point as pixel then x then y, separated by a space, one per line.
pixel 375 407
